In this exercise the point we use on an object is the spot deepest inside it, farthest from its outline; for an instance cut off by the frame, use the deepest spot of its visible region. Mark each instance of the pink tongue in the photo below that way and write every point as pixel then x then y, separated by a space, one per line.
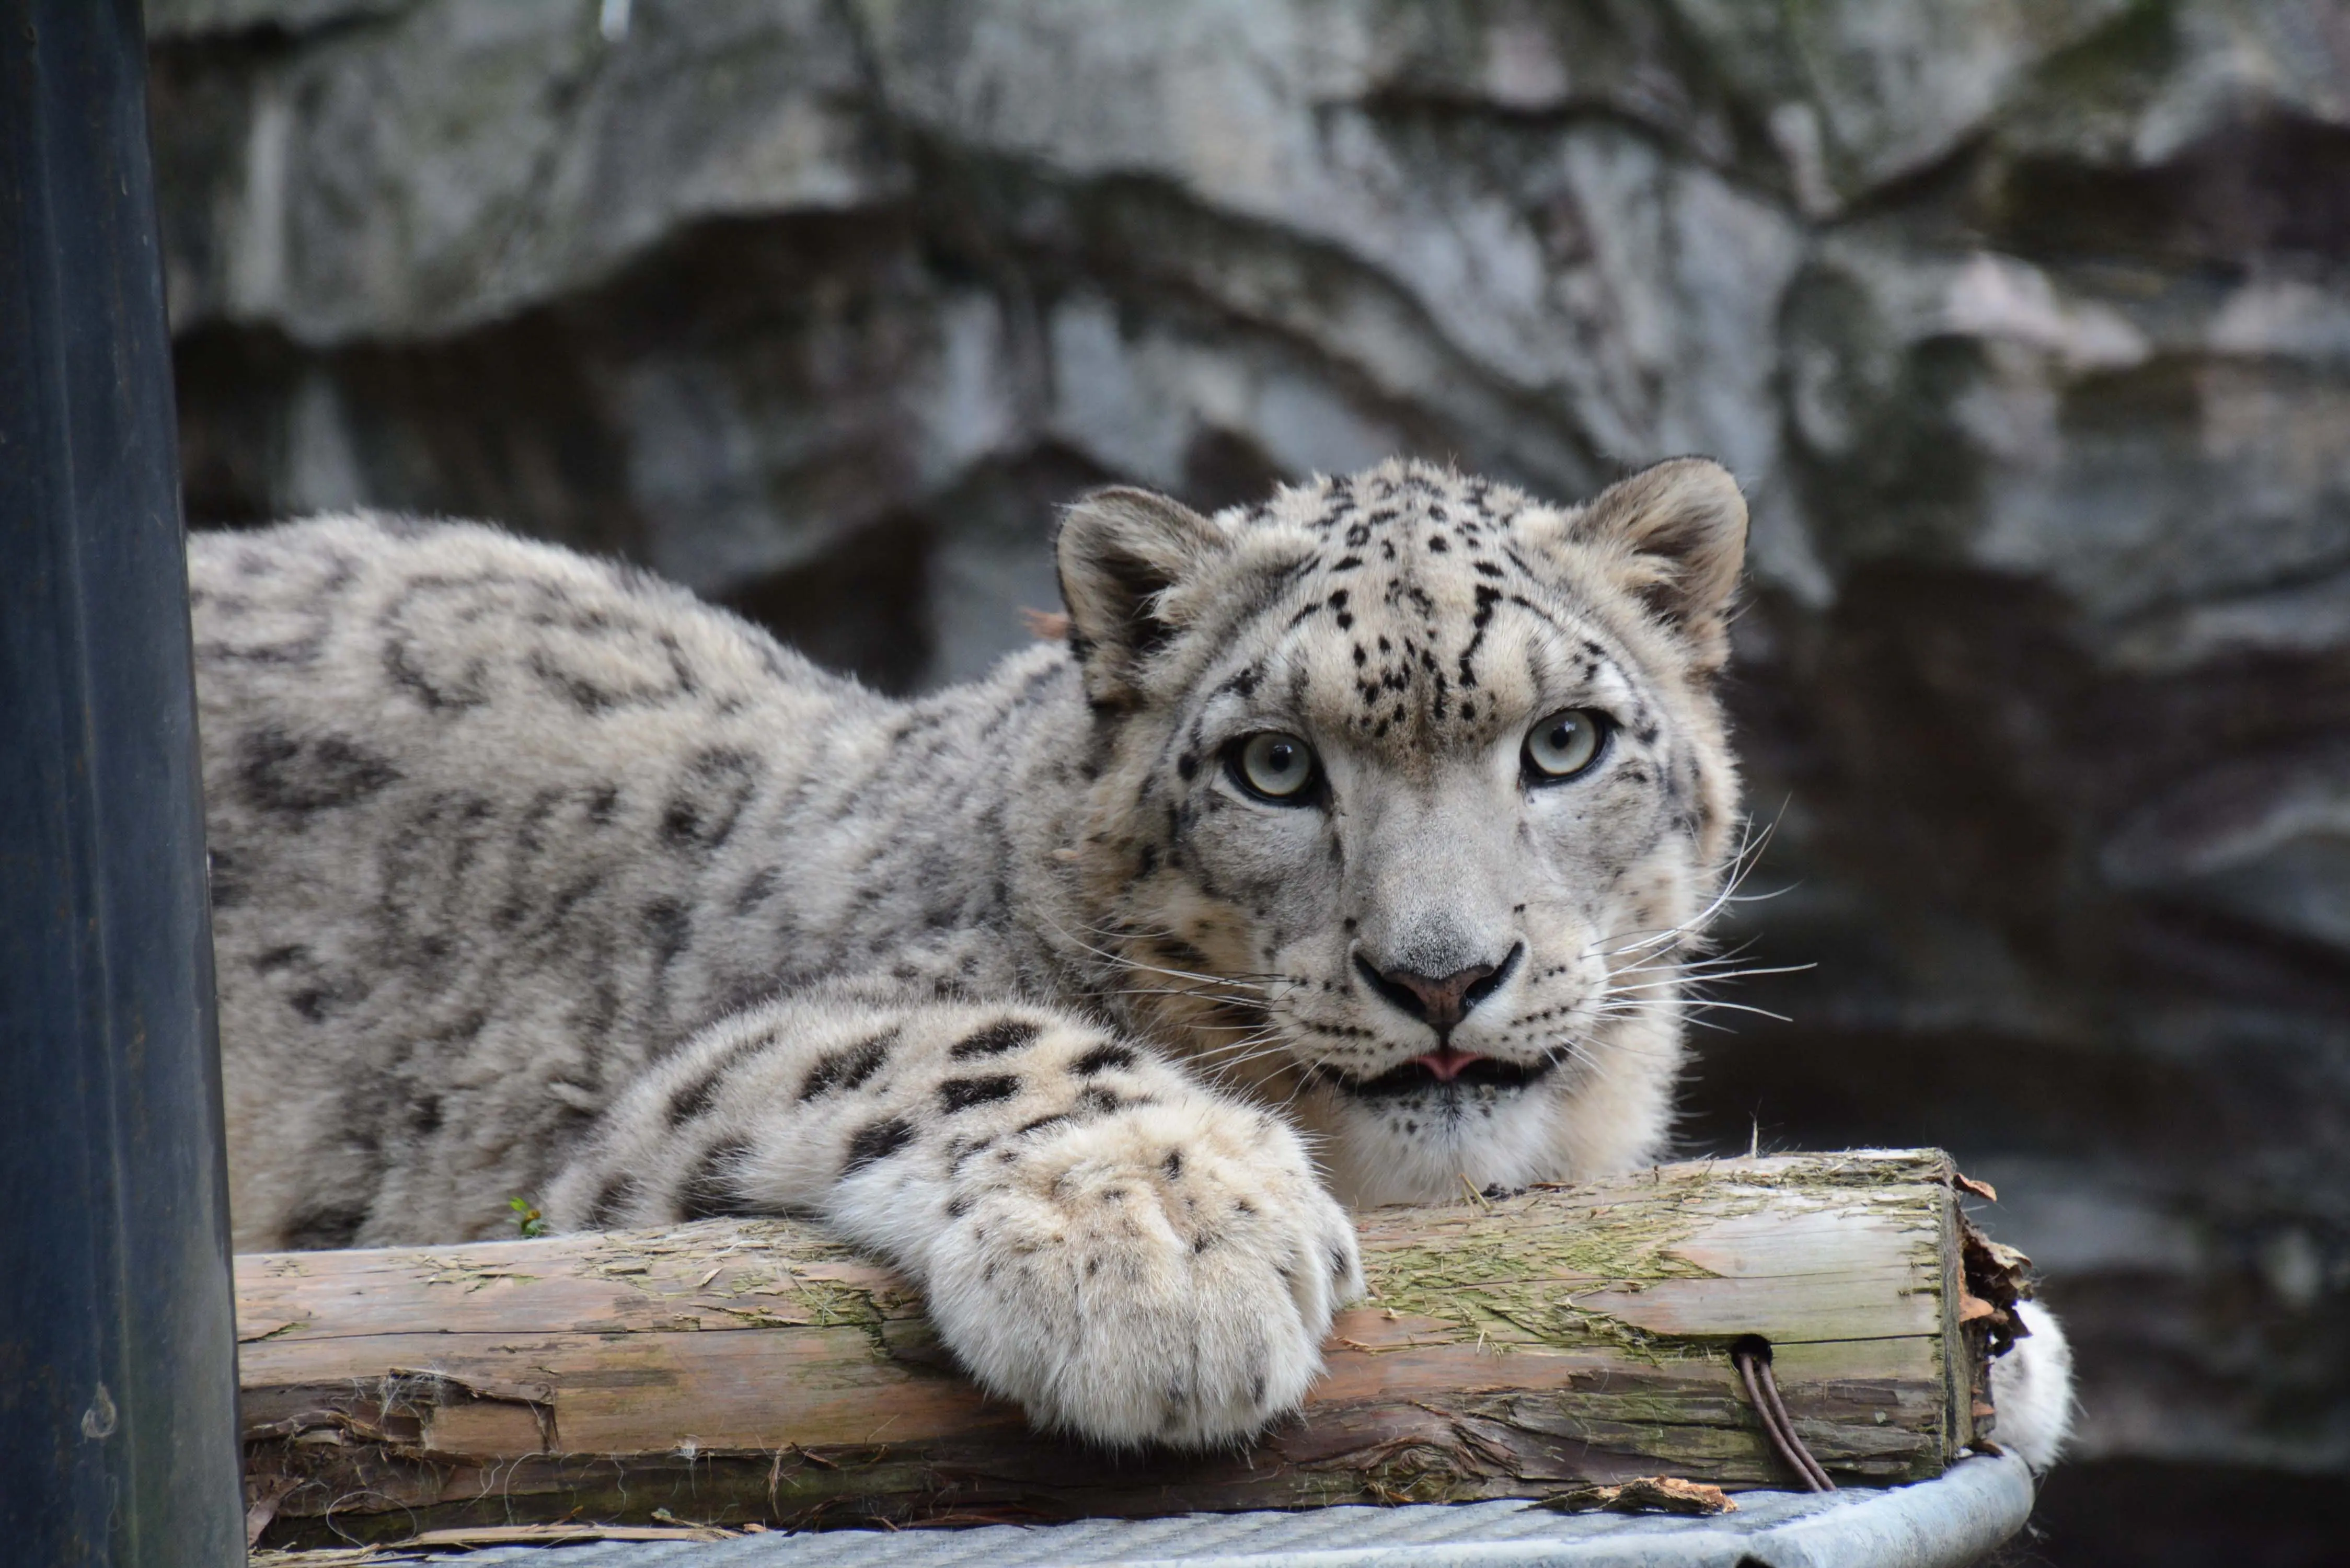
pixel 1447 1062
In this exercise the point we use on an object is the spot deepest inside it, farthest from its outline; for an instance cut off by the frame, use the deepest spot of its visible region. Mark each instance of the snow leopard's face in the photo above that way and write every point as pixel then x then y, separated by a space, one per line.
pixel 1416 792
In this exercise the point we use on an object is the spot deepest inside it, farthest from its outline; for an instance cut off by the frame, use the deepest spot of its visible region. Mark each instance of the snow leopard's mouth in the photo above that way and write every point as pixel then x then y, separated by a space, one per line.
pixel 1445 1073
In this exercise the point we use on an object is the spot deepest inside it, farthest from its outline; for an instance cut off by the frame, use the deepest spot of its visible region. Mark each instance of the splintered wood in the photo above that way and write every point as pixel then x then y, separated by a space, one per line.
pixel 740 1371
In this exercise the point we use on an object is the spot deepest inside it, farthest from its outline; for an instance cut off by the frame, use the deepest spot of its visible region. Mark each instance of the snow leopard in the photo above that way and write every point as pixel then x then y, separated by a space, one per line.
pixel 1347 848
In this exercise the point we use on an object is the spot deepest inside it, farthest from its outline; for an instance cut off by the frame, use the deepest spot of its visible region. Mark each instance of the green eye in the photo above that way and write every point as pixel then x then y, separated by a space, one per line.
pixel 1273 765
pixel 1565 744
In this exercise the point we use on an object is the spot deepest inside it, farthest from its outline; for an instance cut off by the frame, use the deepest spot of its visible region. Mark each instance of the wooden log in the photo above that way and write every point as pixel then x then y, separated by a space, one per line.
pixel 736 1371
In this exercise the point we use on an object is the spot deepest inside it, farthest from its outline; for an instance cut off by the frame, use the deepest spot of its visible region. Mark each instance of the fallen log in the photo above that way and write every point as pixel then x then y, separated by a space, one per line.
pixel 738 1371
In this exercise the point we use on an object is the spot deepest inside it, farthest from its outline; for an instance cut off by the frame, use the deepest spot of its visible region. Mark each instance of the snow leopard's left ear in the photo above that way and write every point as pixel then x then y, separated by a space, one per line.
pixel 1674 535
pixel 1120 552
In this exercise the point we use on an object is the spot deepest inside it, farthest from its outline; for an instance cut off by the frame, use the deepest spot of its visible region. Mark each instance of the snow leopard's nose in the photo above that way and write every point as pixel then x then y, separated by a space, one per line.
pixel 1441 1001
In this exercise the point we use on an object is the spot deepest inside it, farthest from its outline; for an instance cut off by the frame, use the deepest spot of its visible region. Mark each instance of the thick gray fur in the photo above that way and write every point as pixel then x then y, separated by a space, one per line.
pixel 532 876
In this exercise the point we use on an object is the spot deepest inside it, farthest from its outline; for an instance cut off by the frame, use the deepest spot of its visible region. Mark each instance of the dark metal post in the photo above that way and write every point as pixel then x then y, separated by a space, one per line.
pixel 117 1356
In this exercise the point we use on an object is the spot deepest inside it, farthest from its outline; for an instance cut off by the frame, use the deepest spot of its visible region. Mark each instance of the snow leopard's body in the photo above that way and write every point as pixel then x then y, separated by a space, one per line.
pixel 535 877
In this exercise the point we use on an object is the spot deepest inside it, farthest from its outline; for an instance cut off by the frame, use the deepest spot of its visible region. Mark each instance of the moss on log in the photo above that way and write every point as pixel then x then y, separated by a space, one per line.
pixel 735 1371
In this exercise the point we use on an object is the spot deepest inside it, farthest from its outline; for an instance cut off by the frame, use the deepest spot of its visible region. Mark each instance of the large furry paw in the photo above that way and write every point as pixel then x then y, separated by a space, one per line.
pixel 2031 1389
pixel 1166 1274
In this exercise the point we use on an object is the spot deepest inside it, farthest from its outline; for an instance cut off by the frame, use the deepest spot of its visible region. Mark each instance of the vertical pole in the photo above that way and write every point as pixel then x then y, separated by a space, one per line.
pixel 118 1370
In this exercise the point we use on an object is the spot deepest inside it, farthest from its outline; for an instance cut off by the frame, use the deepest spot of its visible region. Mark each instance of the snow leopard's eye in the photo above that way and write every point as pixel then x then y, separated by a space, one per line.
pixel 1565 744
pixel 1274 766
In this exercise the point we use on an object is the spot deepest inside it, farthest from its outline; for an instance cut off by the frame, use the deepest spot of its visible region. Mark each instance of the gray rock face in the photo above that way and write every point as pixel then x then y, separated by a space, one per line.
pixel 2026 323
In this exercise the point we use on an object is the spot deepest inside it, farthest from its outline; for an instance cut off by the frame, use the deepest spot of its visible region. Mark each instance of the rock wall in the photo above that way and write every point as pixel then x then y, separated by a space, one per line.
pixel 2026 323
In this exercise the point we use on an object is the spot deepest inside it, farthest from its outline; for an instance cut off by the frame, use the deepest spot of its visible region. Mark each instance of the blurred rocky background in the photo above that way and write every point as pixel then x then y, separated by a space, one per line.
pixel 2026 324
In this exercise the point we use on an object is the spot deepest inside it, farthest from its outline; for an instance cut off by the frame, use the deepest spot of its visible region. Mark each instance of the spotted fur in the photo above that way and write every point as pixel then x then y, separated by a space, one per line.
pixel 532 875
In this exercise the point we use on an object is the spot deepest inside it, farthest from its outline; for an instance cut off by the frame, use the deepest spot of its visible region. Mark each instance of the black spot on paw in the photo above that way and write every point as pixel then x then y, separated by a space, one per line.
pixel 876 1141
pixel 612 1202
pixel 695 1097
pixel 962 1093
pixel 996 1039
pixel 1103 1058
pixel 849 1067
pixel 710 1192
pixel 1173 1165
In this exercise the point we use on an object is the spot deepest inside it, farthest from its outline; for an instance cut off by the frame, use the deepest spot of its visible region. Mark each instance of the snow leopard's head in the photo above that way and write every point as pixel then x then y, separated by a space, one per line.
pixel 1413 795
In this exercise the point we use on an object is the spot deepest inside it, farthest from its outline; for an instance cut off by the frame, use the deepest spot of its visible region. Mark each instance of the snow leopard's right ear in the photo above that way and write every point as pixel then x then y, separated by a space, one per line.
pixel 1120 552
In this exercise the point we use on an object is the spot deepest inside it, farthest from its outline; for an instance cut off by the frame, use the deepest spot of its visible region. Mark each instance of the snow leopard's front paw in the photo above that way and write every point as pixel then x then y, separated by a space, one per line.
pixel 1166 1274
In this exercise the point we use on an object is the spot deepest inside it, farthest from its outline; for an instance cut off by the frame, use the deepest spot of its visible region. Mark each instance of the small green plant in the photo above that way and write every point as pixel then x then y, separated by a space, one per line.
pixel 527 1220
